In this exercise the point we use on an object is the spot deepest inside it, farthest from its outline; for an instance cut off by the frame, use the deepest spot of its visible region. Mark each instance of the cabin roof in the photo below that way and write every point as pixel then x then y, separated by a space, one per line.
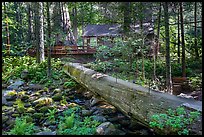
pixel 114 30
pixel 102 30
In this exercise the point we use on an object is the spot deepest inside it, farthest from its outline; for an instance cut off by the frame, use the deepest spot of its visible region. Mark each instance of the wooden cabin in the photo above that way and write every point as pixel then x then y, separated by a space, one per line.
pixel 99 32
pixel 111 31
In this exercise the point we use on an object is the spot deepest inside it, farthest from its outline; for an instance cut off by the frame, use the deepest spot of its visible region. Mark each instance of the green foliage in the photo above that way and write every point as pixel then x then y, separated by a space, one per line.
pixel 37 73
pixel 51 114
pixel 174 121
pixel 21 127
pixel 70 83
pixel 73 124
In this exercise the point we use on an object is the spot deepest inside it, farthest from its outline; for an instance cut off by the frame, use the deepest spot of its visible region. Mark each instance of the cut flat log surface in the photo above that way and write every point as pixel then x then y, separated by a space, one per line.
pixel 138 102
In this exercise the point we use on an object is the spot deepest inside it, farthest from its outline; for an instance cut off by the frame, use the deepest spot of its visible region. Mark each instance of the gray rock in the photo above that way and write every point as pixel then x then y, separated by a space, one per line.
pixel 9 104
pixel 106 128
pixel 35 87
pixel 100 118
pixel 15 85
pixel 94 101
pixel 46 133
pixel 4 101
pixel 86 112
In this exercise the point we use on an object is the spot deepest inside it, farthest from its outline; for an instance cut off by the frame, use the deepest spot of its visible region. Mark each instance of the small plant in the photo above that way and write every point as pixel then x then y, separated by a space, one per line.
pixel 69 84
pixel 174 121
pixel 51 114
pixel 21 127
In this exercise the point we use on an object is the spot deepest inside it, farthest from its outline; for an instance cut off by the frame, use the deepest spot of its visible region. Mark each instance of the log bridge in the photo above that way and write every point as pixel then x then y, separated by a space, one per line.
pixel 137 102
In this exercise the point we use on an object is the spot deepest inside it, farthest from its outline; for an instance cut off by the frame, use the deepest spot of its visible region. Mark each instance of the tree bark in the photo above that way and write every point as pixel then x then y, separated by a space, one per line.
pixel 42 53
pixel 75 22
pixel 48 40
pixel 8 46
pixel 29 34
pixel 133 100
pixel 156 45
pixel 178 37
pixel 126 17
pixel 195 28
pixel 168 63
pixel 182 42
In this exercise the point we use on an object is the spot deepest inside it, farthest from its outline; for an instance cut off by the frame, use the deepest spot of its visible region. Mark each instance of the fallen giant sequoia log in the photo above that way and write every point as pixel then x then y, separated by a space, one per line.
pixel 133 100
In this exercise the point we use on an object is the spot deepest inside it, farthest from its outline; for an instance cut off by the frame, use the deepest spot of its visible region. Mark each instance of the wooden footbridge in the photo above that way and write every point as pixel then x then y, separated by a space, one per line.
pixel 60 51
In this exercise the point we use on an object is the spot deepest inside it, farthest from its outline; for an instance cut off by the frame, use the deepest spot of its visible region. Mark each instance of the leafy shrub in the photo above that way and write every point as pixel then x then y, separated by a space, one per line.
pixel 21 127
pixel 174 121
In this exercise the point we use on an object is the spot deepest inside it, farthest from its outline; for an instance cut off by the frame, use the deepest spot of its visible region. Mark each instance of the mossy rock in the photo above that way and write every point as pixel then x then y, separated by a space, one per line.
pixel 57 90
pixel 37 115
pixel 57 97
pixel 4 118
pixel 37 94
pixel 43 101
pixel 25 97
pixel 15 115
pixel 46 89
pixel 45 109
pixel 29 119
pixel 30 110
pixel 40 91
pixel 71 105
pixel 21 109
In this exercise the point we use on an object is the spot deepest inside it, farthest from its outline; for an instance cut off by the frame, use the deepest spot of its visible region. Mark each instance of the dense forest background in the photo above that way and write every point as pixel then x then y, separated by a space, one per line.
pixel 176 25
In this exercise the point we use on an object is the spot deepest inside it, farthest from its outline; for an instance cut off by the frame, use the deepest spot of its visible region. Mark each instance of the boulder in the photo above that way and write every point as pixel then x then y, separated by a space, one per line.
pixel 15 85
pixel 106 128
pixel 43 101
pixel 99 118
pixel 86 112
pixel 35 87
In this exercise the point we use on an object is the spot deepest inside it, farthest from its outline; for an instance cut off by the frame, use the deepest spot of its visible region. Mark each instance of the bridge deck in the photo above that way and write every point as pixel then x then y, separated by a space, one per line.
pixel 66 50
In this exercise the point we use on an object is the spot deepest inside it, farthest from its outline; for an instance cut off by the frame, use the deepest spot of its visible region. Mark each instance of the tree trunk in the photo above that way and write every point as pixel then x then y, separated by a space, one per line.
pixel 182 42
pixel 142 37
pixel 7 31
pixel 29 34
pixel 126 17
pixel 156 45
pixel 178 37
pixel 168 63
pixel 195 28
pixel 70 37
pixel 39 32
pixel 75 23
pixel 42 53
pixel 133 100
pixel 48 41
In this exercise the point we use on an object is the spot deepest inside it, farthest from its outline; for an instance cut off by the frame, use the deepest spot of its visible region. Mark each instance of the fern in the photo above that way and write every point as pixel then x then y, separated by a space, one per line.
pixel 21 127
pixel 69 121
